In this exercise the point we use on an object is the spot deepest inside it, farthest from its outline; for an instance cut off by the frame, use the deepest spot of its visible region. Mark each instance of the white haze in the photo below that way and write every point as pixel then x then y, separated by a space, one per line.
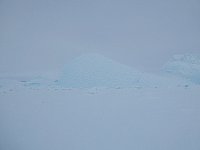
pixel 38 35
pixel 114 100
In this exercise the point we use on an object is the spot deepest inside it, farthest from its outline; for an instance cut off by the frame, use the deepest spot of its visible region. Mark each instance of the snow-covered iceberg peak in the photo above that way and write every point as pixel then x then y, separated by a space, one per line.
pixel 94 70
pixel 186 66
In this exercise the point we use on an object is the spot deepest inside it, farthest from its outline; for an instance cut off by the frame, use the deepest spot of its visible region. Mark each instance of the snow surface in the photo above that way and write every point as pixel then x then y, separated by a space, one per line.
pixel 112 119
pixel 99 104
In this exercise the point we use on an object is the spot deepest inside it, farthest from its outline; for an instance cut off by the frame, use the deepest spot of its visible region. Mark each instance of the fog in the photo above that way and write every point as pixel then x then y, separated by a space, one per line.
pixel 95 102
pixel 40 35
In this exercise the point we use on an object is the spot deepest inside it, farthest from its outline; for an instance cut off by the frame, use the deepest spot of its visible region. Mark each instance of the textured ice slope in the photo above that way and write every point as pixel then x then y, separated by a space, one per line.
pixel 185 66
pixel 94 70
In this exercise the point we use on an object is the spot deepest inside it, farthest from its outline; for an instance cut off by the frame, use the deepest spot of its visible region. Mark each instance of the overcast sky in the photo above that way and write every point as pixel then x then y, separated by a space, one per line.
pixel 38 35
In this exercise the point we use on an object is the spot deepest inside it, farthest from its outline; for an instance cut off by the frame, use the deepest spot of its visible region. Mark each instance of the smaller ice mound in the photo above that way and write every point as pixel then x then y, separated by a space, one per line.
pixel 184 66
pixel 94 70
pixel 8 84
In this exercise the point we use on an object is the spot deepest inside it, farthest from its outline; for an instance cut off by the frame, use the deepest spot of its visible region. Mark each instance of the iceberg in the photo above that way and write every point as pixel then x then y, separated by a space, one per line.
pixel 94 70
pixel 185 66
